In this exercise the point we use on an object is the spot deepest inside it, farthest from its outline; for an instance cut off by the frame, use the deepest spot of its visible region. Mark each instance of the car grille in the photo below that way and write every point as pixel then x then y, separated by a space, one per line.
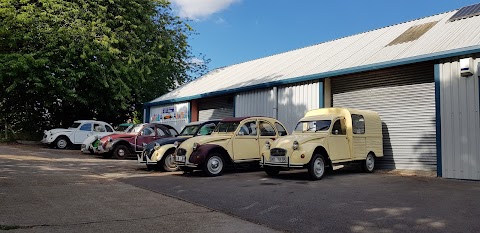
pixel 181 152
pixel 278 152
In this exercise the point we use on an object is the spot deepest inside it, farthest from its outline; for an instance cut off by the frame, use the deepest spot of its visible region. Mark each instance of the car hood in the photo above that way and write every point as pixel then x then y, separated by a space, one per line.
pixel 204 140
pixel 93 138
pixel 301 138
pixel 59 130
pixel 164 141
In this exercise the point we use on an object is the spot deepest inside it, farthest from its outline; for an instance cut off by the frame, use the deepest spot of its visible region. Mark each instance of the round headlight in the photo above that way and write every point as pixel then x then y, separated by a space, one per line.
pixel 195 145
pixel 267 144
pixel 176 144
pixel 295 145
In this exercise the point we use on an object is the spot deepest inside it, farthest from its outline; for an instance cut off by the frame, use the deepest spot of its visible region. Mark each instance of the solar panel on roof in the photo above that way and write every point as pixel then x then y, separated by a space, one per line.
pixel 465 12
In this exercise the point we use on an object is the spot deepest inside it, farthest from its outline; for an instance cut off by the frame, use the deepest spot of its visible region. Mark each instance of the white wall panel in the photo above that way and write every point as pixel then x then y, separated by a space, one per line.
pixel 175 115
pixel 460 123
pixel 295 100
pixel 255 103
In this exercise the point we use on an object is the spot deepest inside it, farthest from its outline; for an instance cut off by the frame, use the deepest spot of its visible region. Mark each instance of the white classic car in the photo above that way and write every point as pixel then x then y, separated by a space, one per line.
pixel 76 134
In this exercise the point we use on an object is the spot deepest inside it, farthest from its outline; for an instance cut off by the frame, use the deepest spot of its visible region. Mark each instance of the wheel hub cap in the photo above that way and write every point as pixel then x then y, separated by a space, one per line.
pixel 318 167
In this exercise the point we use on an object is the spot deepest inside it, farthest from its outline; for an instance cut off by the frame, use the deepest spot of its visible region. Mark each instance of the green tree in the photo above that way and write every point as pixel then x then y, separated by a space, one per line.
pixel 66 60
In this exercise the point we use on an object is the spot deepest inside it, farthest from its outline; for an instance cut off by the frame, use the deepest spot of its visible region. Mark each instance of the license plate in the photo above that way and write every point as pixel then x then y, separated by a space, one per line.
pixel 180 159
pixel 278 159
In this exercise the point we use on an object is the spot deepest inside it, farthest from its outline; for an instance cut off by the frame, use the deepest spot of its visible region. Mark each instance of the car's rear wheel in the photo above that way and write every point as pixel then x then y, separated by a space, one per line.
pixel 368 165
pixel 316 168
pixel 271 171
pixel 214 165
pixel 121 152
pixel 61 142
pixel 168 162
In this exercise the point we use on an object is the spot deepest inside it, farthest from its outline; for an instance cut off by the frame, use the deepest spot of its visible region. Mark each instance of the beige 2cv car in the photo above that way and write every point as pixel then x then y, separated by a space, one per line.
pixel 235 141
pixel 324 137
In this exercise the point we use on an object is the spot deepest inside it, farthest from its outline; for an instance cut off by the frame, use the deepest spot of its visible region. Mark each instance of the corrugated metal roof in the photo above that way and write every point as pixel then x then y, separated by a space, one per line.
pixel 360 52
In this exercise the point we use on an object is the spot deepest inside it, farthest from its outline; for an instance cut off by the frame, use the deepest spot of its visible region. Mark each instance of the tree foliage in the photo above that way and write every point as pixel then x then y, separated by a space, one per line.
pixel 66 60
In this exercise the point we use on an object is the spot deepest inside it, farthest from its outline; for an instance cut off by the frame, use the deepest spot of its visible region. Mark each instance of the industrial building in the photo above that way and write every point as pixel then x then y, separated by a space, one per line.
pixel 421 76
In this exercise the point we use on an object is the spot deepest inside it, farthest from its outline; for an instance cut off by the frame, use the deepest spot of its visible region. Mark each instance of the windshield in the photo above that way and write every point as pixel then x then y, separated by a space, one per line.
pixel 189 130
pixel 134 129
pixel 313 126
pixel 75 125
pixel 226 127
pixel 123 128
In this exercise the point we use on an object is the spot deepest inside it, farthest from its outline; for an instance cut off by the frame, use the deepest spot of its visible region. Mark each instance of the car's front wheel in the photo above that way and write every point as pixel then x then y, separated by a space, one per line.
pixel 316 168
pixel 121 152
pixel 168 162
pixel 61 142
pixel 214 165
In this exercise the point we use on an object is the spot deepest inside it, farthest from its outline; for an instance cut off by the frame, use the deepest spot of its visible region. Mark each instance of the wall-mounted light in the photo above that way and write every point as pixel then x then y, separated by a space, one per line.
pixel 466 67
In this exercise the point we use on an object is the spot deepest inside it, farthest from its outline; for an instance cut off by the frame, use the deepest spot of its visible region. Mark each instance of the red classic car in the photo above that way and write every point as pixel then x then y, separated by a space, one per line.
pixel 122 145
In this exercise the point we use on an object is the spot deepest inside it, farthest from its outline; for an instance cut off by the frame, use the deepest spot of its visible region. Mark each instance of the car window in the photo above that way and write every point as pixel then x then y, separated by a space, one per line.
pixel 109 129
pixel 266 129
pixel 75 125
pixel 206 129
pixel 86 127
pixel 281 130
pixel 226 127
pixel 98 128
pixel 148 131
pixel 160 132
pixel 337 127
pixel 173 132
pixel 313 126
pixel 358 124
pixel 248 129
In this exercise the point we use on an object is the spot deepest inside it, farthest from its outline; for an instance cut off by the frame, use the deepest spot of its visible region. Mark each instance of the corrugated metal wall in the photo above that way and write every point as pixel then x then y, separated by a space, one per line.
pixel 295 100
pixel 258 103
pixel 215 108
pixel 404 97
pixel 460 121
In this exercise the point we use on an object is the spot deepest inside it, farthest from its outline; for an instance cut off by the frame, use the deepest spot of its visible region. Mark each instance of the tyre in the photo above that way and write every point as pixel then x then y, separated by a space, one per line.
pixel 368 165
pixel 121 152
pixel 61 142
pixel 213 165
pixel 271 171
pixel 168 162
pixel 316 168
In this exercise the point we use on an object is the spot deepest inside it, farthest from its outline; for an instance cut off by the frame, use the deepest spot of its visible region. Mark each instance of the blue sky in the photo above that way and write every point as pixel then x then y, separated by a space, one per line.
pixel 235 31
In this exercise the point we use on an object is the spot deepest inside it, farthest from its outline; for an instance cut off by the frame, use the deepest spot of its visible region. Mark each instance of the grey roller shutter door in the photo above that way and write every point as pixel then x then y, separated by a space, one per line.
pixel 405 99
pixel 215 108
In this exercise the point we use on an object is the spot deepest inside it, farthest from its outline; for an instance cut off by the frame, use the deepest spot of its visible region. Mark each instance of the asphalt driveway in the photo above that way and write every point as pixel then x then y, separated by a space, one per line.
pixel 346 201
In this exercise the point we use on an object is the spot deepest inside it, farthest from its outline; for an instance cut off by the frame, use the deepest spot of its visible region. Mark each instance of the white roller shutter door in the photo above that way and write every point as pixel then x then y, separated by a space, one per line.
pixel 215 108
pixel 405 99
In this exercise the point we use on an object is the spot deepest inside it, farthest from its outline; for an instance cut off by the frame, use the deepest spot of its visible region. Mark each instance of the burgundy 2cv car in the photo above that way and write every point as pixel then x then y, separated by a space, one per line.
pixel 122 145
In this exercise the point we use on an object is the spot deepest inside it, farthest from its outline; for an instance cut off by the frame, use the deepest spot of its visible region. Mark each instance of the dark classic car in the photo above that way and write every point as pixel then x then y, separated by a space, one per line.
pixel 122 145
pixel 159 153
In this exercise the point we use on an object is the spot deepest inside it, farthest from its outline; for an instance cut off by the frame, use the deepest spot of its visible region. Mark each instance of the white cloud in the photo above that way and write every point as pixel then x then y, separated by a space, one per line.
pixel 199 9
pixel 197 61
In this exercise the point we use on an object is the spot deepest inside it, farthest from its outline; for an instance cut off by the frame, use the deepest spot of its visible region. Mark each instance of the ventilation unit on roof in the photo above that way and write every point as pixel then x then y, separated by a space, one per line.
pixel 466 12
pixel 413 33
